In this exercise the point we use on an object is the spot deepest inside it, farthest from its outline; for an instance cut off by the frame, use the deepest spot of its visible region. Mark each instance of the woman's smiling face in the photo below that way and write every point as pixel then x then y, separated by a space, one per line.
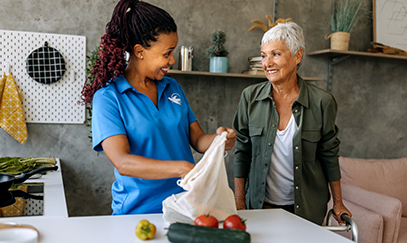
pixel 277 62
pixel 160 56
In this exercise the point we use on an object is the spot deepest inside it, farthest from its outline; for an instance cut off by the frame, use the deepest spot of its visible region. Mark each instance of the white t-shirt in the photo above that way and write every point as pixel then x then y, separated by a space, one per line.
pixel 280 179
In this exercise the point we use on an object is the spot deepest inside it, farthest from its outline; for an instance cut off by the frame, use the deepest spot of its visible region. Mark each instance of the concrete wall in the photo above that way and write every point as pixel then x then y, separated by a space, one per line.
pixel 371 94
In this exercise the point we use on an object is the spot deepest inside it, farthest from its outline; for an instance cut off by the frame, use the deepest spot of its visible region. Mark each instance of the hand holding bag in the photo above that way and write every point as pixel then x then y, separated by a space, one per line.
pixel 207 189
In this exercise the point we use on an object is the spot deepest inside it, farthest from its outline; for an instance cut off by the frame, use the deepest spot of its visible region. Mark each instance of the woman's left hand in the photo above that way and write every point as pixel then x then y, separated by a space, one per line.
pixel 340 209
pixel 231 137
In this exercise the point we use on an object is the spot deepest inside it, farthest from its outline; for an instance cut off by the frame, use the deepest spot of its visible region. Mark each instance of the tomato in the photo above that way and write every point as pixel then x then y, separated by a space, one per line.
pixel 206 220
pixel 234 222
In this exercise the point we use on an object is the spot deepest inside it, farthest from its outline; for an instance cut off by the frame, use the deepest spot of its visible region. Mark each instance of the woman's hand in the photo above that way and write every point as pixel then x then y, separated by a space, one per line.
pixel 231 137
pixel 185 168
pixel 201 141
pixel 340 209
pixel 240 203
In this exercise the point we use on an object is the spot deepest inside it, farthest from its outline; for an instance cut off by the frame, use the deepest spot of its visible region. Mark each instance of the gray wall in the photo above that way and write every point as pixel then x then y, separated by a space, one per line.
pixel 371 94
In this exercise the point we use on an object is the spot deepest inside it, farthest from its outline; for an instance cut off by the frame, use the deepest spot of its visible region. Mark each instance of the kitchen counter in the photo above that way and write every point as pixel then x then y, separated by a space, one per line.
pixel 54 194
pixel 268 225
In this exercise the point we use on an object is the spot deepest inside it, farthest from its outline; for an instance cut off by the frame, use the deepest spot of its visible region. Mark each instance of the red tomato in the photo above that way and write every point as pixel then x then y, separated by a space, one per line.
pixel 206 220
pixel 234 222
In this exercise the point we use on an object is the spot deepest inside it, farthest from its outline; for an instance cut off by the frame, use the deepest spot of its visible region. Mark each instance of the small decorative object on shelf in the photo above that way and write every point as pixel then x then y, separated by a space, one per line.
pixel 345 15
pixel 217 54
pixel 185 58
pixel 261 25
pixel 255 67
pixel 380 48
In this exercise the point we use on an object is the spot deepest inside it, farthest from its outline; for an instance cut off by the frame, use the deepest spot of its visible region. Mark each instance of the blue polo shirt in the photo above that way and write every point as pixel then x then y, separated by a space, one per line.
pixel 160 133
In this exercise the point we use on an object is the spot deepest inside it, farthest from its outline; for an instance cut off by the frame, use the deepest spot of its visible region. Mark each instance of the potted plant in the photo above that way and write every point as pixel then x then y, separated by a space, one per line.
pixel 217 54
pixel 345 15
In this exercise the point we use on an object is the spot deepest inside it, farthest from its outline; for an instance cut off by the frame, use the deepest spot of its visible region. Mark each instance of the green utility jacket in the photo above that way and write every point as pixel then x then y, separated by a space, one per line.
pixel 315 146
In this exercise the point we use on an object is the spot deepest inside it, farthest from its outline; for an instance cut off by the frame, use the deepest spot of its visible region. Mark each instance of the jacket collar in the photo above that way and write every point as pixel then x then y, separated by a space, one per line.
pixel 302 95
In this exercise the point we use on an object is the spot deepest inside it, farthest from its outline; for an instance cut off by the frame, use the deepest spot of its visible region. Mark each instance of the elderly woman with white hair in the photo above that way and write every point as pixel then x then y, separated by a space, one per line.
pixel 286 155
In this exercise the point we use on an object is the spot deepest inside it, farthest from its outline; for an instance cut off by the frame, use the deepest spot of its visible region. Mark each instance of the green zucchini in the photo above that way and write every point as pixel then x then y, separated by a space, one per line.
pixel 182 233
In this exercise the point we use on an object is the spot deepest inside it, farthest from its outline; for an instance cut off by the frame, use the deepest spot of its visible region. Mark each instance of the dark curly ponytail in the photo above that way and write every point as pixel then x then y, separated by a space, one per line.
pixel 133 22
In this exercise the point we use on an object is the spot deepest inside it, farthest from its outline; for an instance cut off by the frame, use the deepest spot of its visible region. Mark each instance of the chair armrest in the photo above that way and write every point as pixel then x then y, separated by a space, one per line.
pixel 388 207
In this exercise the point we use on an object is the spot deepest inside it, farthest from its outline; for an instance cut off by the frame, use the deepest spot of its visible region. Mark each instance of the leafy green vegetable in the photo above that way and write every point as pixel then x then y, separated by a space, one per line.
pixel 18 165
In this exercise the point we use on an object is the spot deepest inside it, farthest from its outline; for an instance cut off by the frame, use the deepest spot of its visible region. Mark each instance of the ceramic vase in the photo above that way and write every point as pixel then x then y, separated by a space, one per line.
pixel 218 65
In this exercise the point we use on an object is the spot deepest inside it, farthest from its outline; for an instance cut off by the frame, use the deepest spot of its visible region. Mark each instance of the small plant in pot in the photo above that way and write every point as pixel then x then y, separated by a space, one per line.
pixel 217 54
pixel 345 15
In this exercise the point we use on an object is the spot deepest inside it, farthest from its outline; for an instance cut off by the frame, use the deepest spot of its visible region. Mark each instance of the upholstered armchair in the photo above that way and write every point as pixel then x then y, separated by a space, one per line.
pixel 375 191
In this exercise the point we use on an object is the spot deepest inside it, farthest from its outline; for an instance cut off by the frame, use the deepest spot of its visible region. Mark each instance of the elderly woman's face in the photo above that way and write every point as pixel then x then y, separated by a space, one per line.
pixel 277 62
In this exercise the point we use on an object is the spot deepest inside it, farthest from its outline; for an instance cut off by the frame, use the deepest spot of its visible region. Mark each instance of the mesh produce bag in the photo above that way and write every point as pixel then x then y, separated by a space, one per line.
pixel 206 189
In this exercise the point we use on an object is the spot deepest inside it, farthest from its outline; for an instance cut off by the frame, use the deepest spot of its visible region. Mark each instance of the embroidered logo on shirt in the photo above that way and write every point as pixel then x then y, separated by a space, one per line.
pixel 175 98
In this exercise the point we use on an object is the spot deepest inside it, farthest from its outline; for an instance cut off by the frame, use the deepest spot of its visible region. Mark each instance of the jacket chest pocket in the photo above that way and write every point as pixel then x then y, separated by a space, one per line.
pixel 255 134
pixel 310 141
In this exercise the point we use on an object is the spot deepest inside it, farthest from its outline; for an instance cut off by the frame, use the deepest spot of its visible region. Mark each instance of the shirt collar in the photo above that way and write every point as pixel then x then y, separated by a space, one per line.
pixel 161 85
pixel 302 95
pixel 122 84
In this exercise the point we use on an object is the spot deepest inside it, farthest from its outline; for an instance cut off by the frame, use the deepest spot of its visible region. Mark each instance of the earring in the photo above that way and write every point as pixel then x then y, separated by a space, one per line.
pixel 141 57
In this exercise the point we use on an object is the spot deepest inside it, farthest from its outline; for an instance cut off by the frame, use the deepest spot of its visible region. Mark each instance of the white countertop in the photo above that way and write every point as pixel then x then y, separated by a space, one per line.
pixel 268 225
pixel 54 194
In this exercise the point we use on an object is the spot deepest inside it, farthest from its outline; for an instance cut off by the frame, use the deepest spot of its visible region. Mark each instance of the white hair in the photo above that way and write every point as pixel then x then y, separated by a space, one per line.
pixel 290 33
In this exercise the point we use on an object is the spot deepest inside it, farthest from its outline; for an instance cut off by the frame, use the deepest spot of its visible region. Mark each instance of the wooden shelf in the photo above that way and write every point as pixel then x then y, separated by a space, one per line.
pixel 227 75
pixel 359 54
pixel 200 73
pixel 336 56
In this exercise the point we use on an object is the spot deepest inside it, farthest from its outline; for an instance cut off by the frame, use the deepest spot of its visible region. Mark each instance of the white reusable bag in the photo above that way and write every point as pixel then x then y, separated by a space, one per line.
pixel 207 189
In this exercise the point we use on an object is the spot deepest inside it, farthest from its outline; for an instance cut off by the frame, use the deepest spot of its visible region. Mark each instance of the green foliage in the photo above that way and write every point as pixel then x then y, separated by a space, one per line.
pixel 346 15
pixel 217 49
pixel 90 61
pixel 18 165
pixel 88 121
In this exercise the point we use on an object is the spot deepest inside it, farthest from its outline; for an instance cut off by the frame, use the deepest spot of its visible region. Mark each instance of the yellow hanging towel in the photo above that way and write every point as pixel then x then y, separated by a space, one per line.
pixel 11 110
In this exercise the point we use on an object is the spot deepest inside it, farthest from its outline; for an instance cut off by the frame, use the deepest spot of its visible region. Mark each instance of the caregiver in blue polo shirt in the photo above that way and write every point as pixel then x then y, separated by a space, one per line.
pixel 141 119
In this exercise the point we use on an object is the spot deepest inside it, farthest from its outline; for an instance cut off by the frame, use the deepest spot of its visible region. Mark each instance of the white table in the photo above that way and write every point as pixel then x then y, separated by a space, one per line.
pixel 268 225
